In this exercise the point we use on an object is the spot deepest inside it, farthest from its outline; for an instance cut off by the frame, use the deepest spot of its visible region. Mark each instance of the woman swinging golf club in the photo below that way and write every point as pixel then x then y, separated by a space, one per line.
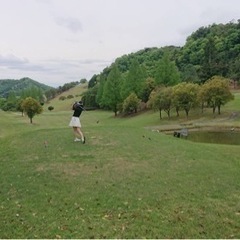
pixel 75 122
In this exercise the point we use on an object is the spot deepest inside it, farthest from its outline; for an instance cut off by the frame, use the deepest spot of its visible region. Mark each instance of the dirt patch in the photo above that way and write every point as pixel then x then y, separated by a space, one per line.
pixel 116 168
pixel 235 115
pixel 69 169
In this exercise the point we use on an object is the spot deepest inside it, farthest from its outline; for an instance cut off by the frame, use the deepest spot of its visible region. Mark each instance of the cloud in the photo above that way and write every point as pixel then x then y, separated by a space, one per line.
pixel 72 24
pixel 52 72
pixel 16 63
pixel 11 60
pixel 48 65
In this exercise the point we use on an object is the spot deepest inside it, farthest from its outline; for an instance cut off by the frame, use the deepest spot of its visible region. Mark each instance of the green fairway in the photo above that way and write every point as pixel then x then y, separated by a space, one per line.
pixel 129 180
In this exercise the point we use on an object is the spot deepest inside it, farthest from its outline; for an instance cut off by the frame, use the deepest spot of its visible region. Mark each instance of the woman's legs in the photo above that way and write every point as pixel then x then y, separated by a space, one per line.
pixel 78 133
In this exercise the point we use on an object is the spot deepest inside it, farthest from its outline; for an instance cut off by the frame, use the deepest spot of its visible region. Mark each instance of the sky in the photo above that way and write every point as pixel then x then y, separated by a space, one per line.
pixel 59 41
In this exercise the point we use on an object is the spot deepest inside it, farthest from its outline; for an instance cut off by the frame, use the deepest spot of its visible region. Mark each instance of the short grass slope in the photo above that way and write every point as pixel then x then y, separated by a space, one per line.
pixel 127 181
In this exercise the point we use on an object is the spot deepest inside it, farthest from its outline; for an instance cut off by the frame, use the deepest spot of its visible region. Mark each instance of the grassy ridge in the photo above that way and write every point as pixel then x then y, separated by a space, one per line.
pixel 126 182
pixel 66 105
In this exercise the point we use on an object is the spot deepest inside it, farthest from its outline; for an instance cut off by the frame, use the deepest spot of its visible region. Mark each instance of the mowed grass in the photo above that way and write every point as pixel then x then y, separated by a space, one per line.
pixel 127 181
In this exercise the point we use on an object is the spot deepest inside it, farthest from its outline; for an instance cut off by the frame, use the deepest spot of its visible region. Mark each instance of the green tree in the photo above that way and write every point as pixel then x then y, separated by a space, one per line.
pixel 51 93
pixel 32 107
pixel 34 92
pixel 189 74
pixel 167 73
pixel 11 102
pixel 12 97
pixel 216 93
pixel 19 106
pixel 2 102
pixel 99 95
pixel 134 81
pixel 235 70
pixel 185 96
pixel 148 87
pixel 161 100
pixel 111 92
pixel 83 80
pixel 89 97
pixel 93 81
pixel 131 103
pixel 210 60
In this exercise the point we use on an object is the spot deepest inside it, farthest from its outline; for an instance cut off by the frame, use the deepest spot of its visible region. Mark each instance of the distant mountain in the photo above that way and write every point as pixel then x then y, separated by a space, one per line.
pixel 17 86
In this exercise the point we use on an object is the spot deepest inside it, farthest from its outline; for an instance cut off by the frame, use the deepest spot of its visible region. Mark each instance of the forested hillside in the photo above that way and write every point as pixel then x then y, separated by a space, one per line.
pixel 210 51
pixel 18 86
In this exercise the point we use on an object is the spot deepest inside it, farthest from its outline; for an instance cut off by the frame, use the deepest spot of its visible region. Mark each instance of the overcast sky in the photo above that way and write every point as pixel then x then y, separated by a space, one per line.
pixel 59 41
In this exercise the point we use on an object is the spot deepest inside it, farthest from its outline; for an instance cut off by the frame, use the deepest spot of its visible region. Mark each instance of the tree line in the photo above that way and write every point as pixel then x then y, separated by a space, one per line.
pixel 214 94
pixel 166 92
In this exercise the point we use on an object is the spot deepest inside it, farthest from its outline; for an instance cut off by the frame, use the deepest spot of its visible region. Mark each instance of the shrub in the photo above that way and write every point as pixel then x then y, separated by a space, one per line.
pixel 50 108
pixel 62 98
pixel 70 96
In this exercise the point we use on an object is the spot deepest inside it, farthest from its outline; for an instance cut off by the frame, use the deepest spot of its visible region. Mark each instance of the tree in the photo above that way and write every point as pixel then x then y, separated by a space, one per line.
pixel 131 103
pixel 93 81
pixel 189 74
pixel 167 73
pixel 83 80
pixel 99 95
pixel 31 107
pixel 185 96
pixel 19 106
pixel 34 92
pixel 209 65
pixel 148 87
pixel 111 92
pixel 51 93
pixel 235 70
pixel 161 99
pixel 89 97
pixel 11 102
pixel 216 93
pixel 134 81
pixel 2 102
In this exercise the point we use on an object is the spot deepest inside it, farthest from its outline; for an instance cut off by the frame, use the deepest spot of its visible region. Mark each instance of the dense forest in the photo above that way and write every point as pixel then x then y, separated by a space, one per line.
pixel 8 86
pixel 210 51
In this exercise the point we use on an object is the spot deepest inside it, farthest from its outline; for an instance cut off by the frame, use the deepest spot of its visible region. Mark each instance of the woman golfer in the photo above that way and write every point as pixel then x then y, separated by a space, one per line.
pixel 75 121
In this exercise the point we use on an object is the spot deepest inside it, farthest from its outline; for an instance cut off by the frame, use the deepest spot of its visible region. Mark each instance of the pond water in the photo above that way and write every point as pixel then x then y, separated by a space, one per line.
pixel 224 137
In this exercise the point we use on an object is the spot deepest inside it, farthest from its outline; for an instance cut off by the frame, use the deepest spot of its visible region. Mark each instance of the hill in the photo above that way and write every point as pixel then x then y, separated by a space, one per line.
pixel 66 104
pixel 17 86
pixel 210 50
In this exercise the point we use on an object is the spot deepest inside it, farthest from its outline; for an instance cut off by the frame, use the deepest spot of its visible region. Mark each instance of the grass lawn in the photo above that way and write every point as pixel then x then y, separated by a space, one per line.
pixel 127 181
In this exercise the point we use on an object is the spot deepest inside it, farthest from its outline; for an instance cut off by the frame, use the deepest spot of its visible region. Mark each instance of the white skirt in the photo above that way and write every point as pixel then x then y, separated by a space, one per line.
pixel 75 122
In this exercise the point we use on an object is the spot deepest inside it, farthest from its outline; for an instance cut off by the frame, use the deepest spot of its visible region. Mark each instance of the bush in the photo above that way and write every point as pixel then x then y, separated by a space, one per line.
pixel 70 96
pixel 62 98
pixel 50 108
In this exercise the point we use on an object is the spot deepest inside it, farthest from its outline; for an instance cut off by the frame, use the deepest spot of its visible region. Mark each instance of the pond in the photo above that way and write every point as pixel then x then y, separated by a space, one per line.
pixel 217 137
